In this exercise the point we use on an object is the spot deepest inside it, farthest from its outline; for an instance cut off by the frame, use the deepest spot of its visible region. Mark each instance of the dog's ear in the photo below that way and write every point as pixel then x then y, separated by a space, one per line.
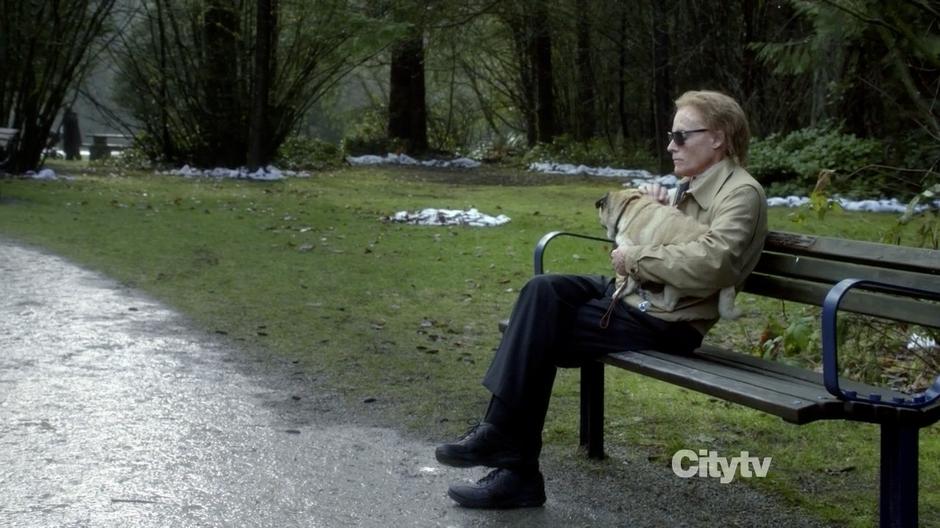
pixel 603 201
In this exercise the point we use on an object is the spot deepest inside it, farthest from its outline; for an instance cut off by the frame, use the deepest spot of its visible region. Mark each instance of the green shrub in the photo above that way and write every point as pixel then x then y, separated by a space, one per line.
pixel 595 153
pixel 369 136
pixel 301 152
pixel 798 157
pixel 137 156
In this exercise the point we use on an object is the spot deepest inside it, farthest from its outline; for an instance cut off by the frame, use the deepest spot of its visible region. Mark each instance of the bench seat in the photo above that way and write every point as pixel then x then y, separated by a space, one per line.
pixel 796 395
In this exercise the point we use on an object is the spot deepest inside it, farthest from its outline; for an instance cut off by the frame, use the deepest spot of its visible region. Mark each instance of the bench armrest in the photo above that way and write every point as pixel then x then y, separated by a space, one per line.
pixel 548 237
pixel 830 344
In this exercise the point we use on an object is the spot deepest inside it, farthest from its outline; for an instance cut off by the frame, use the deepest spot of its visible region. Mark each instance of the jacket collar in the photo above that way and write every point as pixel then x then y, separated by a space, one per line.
pixel 704 188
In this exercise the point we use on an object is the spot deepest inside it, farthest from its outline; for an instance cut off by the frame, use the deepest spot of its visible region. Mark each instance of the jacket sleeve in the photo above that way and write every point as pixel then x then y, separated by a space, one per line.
pixel 716 260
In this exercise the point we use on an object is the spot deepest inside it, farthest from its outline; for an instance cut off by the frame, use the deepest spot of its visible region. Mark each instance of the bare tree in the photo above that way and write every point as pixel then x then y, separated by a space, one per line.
pixel 237 84
pixel 45 49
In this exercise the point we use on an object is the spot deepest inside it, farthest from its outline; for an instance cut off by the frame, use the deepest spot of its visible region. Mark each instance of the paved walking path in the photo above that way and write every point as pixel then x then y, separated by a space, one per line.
pixel 115 412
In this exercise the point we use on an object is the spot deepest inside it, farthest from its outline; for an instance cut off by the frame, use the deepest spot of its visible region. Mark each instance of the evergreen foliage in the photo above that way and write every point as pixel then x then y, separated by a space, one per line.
pixel 210 82
pixel 800 156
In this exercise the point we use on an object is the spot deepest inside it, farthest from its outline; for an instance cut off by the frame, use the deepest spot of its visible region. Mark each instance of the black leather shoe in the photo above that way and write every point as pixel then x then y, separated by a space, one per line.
pixel 483 445
pixel 503 489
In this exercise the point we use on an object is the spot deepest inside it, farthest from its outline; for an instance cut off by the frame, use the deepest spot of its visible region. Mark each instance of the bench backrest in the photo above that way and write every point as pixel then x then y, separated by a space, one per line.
pixel 802 268
pixel 111 139
pixel 6 134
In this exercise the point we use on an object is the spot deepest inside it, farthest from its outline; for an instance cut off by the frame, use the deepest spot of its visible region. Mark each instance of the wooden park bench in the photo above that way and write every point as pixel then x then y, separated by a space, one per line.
pixel 102 145
pixel 895 283
pixel 7 141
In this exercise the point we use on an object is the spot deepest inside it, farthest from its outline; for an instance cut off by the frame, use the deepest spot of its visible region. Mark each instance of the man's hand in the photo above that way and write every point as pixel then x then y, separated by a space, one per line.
pixel 656 192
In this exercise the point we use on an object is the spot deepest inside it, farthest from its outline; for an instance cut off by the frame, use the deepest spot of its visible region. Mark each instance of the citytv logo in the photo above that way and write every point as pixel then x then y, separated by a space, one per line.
pixel 708 464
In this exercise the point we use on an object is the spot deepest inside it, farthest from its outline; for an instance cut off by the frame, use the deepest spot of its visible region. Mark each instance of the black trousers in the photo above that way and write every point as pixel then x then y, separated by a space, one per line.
pixel 556 323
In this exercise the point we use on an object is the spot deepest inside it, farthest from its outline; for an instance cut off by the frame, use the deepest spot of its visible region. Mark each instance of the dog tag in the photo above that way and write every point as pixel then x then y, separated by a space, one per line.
pixel 644 306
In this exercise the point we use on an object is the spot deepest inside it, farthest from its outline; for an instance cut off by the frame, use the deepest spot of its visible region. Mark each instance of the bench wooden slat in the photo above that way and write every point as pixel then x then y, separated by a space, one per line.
pixel 755 362
pixel 894 257
pixel 831 272
pixel 862 302
pixel 775 370
pixel 764 373
pixel 760 384
pixel 692 372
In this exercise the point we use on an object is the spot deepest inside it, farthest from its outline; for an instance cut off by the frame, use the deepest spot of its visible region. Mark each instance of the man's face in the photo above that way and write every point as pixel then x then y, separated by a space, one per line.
pixel 699 150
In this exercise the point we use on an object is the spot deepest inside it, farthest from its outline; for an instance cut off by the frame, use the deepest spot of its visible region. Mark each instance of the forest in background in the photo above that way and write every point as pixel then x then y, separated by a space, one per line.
pixel 849 86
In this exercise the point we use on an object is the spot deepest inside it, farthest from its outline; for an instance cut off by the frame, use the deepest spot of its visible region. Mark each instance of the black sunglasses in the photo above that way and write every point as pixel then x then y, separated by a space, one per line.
pixel 679 135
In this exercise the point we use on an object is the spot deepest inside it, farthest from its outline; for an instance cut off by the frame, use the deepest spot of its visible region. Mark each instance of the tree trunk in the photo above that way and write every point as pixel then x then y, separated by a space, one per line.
pixel 517 19
pixel 527 84
pixel 259 130
pixel 753 86
pixel 225 133
pixel 585 119
pixel 622 75
pixel 407 107
pixel 541 53
pixel 166 141
pixel 662 84
pixel 749 57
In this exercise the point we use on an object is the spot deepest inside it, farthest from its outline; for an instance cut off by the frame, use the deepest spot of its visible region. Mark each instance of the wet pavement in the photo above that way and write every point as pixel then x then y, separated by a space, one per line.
pixel 115 411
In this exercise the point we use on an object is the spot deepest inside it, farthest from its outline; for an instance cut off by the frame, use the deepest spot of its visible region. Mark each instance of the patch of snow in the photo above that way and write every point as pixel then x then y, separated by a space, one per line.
pixel 919 342
pixel 883 205
pixel 443 217
pixel 637 178
pixel 269 173
pixel 637 175
pixel 642 177
pixel 787 201
pixel 43 174
pixel 404 159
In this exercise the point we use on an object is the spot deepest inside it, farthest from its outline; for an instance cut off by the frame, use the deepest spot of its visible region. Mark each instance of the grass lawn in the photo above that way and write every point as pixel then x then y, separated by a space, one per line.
pixel 401 320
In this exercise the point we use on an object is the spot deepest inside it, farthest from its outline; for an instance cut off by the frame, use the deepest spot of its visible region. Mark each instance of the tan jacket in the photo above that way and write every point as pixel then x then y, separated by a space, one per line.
pixel 733 205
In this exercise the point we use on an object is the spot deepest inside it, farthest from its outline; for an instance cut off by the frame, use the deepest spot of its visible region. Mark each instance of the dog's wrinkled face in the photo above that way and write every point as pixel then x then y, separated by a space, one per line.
pixel 611 206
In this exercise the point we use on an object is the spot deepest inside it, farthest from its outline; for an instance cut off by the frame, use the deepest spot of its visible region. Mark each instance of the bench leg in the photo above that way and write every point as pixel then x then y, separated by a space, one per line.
pixel 592 409
pixel 899 458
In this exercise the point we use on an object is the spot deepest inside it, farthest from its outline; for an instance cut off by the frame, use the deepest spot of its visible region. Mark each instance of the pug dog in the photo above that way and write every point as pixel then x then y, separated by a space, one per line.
pixel 632 218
